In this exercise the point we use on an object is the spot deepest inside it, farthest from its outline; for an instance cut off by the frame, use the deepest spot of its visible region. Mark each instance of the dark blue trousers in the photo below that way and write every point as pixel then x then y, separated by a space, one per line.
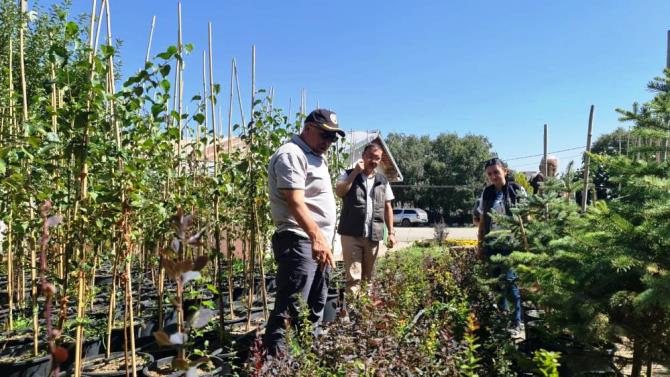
pixel 300 282
pixel 509 287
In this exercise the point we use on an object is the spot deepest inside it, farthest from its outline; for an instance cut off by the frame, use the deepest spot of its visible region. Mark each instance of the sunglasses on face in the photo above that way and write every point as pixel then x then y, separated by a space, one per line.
pixel 330 136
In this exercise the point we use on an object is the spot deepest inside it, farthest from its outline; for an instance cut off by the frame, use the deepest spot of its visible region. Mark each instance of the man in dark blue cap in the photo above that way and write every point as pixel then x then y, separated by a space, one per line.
pixel 303 210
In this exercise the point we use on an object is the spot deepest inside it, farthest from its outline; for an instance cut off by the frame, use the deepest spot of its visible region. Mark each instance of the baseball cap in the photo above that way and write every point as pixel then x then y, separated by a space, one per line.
pixel 324 119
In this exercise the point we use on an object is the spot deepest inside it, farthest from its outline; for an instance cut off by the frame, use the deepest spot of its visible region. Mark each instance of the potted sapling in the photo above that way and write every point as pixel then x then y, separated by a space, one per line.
pixel 182 270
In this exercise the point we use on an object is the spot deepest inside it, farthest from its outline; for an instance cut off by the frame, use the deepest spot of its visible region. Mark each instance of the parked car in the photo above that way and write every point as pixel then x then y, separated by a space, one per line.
pixel 410 216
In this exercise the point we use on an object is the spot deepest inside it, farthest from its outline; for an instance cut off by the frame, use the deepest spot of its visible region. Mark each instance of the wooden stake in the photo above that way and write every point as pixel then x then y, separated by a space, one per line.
pixel 228 229
pixel 10 270
pixel 112 302
pixel 24 90
pixel 544 154
pixel 545 166
pixel 215 146
pixel 111 78
pixel 98 27
pixel 151 36
pixel 253 79
pixel 204 106
pixel 129 307
pixel 587 160
pixel 211 102
pixel 54 100
pixel 180 82
pixel 239 95
pixel 83 195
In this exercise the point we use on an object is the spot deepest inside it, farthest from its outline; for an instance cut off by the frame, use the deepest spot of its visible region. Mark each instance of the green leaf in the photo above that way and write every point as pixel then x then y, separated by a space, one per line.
pixel 165 85
pixel 71 30
pixel 165 69
pixel 199 117
pixel 167 54
pixel 107 51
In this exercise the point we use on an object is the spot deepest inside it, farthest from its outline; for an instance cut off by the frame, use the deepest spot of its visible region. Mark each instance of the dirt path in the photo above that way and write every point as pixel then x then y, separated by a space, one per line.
pixel 405 237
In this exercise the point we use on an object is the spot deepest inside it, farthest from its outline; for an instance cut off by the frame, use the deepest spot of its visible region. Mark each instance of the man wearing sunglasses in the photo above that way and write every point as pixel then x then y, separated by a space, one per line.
pixel 303 210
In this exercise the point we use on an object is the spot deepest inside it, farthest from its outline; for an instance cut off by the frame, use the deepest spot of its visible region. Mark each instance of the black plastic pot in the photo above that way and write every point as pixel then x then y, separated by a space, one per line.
pixel 116 341
pixel 91 348
pixel 16 346
pixel 581 363
pixel 332 305
pixel 242 344
pixel 91 366
pixel 150 346
pixel 35 367
pixel 103 279
pixel 221 368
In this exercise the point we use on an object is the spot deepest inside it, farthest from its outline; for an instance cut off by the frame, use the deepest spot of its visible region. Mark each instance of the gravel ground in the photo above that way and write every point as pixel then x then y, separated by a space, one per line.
pixel 405 237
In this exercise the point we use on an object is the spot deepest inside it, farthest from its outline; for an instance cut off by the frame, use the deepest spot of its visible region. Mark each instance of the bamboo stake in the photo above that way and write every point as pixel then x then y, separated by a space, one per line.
pixel 10 270
pixel 215 146
pixel 220 122
pixel 587 159
pixel 95 266
pixel 239 95
pixel 33 252
pixel 24 89
pixel 80 316
pixel 22 279
pixel 151 36
pixel 544 155
pixel 254 220
pixel 204 110
pixel 12 119
pixel 54 100
pixel 112 302
pixel 112 86
pixel 83 195
pixel 99 26
pixel 180 73
pixel 129 295
pixel 33 283
pixel 229 246
pixel 545 166
pixel 230 104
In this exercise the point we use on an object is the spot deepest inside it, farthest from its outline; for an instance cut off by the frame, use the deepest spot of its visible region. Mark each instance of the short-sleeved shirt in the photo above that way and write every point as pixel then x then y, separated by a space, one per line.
pixel 295 166
pixel 369 182
pixel 498 205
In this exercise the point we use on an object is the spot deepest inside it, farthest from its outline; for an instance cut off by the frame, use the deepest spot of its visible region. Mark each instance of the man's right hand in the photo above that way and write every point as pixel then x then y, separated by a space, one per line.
pixel 359 166
pixel 321 252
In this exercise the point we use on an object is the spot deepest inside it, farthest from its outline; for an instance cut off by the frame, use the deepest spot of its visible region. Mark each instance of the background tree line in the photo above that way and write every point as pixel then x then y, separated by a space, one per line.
pixel 453 163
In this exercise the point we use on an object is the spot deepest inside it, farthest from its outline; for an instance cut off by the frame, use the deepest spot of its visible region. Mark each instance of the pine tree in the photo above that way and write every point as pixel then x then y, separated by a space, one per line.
pixel 605 274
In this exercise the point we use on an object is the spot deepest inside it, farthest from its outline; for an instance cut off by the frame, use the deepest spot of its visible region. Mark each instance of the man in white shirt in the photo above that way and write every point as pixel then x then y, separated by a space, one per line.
pixel 366 207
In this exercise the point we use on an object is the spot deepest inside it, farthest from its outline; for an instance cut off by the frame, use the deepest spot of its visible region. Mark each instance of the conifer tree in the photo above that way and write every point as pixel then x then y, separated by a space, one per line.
pixel 605 274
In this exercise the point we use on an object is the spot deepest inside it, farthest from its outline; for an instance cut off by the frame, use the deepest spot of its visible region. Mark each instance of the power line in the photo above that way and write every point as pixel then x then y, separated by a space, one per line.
pixel 542 154
pixel 568 158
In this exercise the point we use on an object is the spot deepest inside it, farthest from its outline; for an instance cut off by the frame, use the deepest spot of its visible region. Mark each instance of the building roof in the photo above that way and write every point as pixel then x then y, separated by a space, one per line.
pixel 355 141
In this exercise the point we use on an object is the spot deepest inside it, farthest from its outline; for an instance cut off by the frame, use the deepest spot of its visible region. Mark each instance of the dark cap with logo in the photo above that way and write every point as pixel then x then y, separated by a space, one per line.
pixel 324 119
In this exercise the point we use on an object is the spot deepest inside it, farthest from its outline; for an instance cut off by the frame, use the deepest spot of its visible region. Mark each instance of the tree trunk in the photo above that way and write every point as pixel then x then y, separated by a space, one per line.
pixel 638 359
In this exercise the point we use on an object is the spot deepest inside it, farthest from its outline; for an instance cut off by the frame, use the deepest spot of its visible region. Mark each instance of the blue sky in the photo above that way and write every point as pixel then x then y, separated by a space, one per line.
pixel 496 68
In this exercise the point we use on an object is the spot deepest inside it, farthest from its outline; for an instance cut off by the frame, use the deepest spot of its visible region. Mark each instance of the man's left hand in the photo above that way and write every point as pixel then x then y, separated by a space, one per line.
pixel 390 241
